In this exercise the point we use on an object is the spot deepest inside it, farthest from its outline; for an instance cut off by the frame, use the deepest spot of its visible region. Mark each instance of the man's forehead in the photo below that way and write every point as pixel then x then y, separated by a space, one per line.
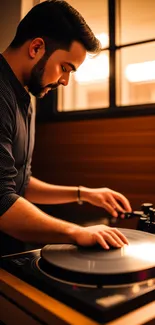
pixel 76 54
pixel 74 57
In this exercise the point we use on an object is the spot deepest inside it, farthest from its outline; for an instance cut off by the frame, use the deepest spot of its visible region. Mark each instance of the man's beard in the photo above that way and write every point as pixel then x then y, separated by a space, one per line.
pixel 35 86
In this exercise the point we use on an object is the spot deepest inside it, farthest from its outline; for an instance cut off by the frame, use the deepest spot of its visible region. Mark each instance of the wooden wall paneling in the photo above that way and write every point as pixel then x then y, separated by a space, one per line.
pixel 118 153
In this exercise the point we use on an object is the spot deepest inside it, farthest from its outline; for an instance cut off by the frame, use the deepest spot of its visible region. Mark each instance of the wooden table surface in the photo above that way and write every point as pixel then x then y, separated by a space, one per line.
pixel 30 306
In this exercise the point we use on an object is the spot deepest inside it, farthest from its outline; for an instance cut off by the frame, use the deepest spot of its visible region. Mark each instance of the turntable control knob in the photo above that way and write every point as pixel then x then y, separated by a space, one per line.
pixel 146 207
pixel 152 215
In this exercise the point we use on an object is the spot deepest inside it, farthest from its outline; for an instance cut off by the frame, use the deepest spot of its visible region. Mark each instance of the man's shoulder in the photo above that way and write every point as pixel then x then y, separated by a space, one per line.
pixel 7 95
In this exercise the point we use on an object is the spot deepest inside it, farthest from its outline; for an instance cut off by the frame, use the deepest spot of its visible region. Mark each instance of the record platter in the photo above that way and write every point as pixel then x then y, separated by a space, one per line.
pixel 100 284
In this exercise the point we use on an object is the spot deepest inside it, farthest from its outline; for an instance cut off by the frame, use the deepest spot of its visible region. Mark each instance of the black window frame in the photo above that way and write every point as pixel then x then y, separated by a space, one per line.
pixel 47 107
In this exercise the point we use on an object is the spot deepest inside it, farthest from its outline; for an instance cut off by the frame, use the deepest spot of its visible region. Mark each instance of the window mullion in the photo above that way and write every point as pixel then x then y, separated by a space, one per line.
pixel 112 54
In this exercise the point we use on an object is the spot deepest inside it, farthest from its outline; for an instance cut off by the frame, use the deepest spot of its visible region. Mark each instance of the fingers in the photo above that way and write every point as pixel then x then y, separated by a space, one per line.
pixel 113 240
pixel 116 239
pixel 100 240
pixel 111 237
pixel 123 200
pixel 121 236
pixel 113 207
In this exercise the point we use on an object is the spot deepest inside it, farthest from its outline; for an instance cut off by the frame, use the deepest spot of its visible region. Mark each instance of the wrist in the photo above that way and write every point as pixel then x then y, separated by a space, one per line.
pixel 83 194
pixel 79 195
pixel 73 233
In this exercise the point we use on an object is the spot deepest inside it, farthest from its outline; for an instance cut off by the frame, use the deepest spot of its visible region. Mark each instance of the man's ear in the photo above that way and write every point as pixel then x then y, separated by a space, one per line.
pixel 36 48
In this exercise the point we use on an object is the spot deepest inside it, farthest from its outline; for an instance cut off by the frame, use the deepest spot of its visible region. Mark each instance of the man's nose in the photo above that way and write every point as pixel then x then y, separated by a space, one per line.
pixel 64 80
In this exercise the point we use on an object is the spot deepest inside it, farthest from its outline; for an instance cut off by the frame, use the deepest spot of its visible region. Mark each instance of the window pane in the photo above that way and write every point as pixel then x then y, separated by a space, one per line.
pixel 88 87
pixel 95 13
pixel 136 75
pixel 137 20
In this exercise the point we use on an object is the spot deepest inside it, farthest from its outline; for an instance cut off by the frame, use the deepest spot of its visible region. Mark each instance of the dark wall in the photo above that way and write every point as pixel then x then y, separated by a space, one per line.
pixel 117 153
pixel 10 12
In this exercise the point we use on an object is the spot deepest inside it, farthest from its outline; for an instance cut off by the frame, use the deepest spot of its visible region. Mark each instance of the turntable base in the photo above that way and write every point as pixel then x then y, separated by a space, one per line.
pixel 30 306
pixel 101 291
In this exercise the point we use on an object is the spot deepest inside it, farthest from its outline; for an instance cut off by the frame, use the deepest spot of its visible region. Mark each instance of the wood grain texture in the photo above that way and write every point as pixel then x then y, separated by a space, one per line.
pixel 118 153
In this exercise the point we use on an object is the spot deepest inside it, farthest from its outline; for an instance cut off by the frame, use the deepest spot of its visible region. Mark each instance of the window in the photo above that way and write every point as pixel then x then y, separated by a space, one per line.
pixel 122 78
pixel 135 53
pixel 137 75
pixel 89 87
pixel 137 20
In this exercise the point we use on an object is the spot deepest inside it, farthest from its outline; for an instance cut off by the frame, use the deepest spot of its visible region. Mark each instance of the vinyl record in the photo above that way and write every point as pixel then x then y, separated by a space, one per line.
pixel 95 266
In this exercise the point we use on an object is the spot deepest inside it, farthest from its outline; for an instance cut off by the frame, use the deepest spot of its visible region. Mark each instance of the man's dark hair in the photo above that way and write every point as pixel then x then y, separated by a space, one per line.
pixel 57 23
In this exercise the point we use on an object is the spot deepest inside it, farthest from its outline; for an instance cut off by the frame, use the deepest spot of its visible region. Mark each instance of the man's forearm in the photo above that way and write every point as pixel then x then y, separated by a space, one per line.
pixel 26 222
pixel 44 193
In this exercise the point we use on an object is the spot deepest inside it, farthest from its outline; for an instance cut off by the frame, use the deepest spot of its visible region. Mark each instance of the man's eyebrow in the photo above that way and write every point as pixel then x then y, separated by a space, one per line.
pixel 72 66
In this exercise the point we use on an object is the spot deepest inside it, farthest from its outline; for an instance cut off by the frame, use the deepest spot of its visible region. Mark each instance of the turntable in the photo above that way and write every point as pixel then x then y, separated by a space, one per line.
pixel 100 284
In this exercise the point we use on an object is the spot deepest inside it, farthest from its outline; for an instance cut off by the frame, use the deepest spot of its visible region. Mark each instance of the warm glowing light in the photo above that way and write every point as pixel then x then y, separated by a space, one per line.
pixel 135 288
pixel 104 39
pixel 140 72
pixel 145 252
pixel 93 69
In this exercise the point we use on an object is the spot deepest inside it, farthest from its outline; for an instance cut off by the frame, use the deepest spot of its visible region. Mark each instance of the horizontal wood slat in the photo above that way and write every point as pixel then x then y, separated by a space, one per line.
pixel 118 153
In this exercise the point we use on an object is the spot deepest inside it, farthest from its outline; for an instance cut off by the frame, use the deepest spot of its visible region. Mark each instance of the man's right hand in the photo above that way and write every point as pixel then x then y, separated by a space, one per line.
pixel 99 234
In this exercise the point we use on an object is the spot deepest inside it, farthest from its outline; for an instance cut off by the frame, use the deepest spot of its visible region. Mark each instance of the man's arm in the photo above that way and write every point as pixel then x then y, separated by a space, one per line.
pixel 26 222
pixel 44 193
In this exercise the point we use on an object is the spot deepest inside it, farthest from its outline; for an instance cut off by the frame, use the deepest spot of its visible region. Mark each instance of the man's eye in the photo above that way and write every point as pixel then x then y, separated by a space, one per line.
pixel 63 68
